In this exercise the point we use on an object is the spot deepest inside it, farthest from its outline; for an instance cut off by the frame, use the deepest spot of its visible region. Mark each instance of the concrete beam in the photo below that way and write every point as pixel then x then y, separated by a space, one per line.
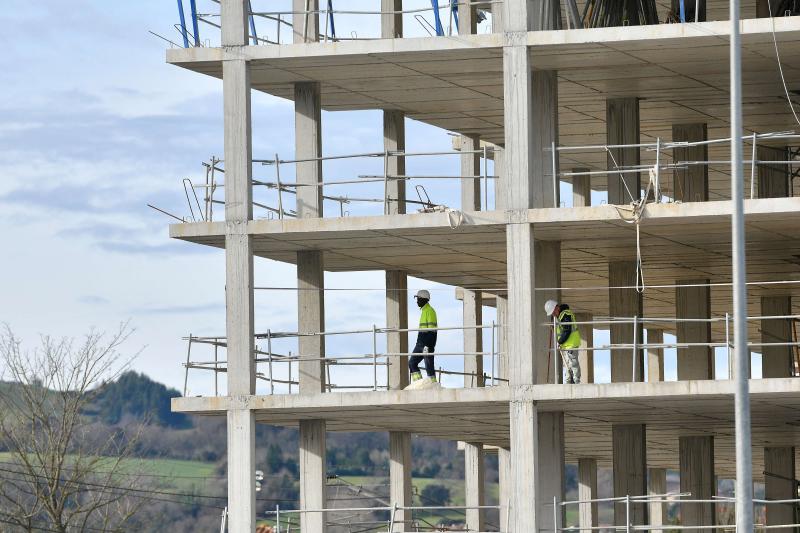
pixel 622 127
pixel 473 339
pixel 474 486
pixel 305 22
pixel 694 362
pixel 470 166
pixel 697 477
pixel 657 485
pixel 397 317
pixel 581 189
pixel 308 145
pixel 655 356
pixel 391 23
pixel 400 490
pixel 690 184
pixel 311 319
pixel 629 444
pixel 776 361
pixel 780 462
pixel 586 357
pixel 587 490
pixel 773 180
pixel 625 364
pixel 394 139
pixel 312 474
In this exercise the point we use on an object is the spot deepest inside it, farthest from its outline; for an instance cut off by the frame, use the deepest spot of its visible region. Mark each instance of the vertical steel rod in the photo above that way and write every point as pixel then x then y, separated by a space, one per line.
pixel 386 183
pixel 628 513
pixel 216 369
pixel 374 358
pixel 278 179
pixel 555 175
pixel 186 374
pixel 555 514
pixel 728 344
pixel 753 169
pixel 744 453
pixel 657 192
pixel 494 352
pixel 485 180
pixel 290 372
pixel 635 347
pixel 556 352
pixel 278 519
pixel 269 349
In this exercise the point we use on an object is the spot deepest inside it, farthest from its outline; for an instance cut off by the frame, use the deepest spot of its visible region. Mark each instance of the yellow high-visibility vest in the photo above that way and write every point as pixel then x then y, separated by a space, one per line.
pixel 574 339
pixel 427 317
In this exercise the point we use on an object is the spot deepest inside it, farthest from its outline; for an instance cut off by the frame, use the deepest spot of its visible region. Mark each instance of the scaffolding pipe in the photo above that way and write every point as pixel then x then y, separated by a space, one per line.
pixel 744 452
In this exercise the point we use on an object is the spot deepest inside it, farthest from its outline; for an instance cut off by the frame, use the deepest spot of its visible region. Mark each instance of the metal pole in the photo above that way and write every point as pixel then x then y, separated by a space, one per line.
pixel 278 180
pixel 728 345
pixel 744 453
pixel 753 170
pixel 555 514
pixel 657 192
pixel 556 352
pixel 555 175
pixel 628 513
pixel 216 370
pixel 374 358
pixel 269 349
pixel 290 372
pixel 635 346
pixel 697 10
pixel 485 180
pixel 277 519
pixel 186 374
pixel 493 351
pixel 391 517
pixel 386 182
pixel 223 519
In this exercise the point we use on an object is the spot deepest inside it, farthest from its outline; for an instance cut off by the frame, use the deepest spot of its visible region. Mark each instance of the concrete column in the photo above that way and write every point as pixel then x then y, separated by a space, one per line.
pixel 311 319
pixel 551 469
pixel 394 139
pixel 473 338
pixel 696 362
pixel 502 339
pixel 397 317
pixel 470 166
pixel 239 322
pixel 391 23
pixel 625 303
pixel 780 462
pixel 655 356
pixel 587 490
pixel 629 444
pixel 773 180
pixel 467 19
pixel 504 482
pixel 497 23
pixel 500 189
pixel 697 477
pixel 657 485
pixel 308 145
pixel 400 465
pixel 622 127
pixel 776 361
pixel 691 183
pixel 312 474
pixel 586 356
pixel 474 492
pixel 305 26
pixel 581 189
pixel 530 109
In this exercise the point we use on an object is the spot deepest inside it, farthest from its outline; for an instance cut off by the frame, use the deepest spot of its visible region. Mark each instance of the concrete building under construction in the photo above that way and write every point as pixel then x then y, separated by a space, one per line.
pixel 625 101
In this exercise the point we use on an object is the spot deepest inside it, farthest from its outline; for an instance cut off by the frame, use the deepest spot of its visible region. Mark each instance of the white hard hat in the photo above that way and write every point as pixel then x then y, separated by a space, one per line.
pixel 423 294
pixel 550 306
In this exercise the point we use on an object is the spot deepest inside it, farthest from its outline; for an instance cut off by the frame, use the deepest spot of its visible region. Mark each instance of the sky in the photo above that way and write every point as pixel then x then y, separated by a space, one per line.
pixel 95 125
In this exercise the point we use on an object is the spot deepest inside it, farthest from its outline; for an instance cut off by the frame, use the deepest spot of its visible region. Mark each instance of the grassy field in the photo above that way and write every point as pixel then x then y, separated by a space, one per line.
pixel 188 476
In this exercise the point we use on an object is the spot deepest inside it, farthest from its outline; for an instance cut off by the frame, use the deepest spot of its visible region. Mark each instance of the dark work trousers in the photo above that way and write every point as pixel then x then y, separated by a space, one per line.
pixel 425 339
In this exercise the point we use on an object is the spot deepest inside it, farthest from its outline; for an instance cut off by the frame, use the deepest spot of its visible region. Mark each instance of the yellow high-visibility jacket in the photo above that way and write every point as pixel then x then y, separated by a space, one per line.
pixel 567 332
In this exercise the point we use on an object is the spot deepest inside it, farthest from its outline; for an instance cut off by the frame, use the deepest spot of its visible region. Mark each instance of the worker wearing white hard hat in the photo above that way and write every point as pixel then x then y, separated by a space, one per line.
pixel 568 338
pixel 426 343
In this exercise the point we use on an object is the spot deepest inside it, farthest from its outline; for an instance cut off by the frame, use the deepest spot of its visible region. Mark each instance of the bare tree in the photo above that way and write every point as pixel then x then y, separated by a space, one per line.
pixel 62 473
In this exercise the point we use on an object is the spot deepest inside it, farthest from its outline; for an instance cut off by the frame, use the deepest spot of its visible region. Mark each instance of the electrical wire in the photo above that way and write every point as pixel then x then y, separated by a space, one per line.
pixel 780 67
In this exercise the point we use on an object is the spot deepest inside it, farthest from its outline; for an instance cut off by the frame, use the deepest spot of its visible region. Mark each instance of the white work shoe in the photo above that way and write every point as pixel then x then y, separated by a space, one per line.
pixel 428 383
pixel 416 384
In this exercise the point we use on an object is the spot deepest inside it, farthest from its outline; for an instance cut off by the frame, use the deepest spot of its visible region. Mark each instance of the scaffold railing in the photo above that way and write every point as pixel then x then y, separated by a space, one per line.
pixel 375 359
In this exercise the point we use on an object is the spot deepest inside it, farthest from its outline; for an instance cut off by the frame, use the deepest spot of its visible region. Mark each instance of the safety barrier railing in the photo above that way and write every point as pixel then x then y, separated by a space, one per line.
pixel 271 27
pixel 284 524
pixel 660 151
pixel 267 356
pixel 676 499
pixel 278 191
pixel 637 345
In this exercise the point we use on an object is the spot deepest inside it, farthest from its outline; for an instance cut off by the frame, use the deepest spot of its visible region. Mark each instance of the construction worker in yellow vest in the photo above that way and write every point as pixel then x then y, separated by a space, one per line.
pixel 426 343
pixel 568 338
